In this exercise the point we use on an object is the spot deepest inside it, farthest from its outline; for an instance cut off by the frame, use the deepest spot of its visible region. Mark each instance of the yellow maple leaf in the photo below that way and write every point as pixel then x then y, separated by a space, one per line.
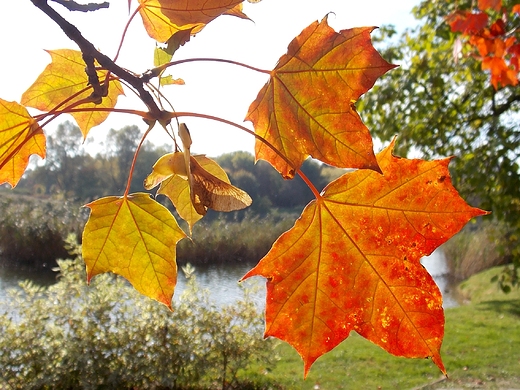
pixel 135 237
pixel 65 82
pixel 20 137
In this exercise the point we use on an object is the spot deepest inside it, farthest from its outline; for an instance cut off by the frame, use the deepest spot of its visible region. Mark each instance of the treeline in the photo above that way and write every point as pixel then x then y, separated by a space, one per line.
pixel 81 177
pixel 45 207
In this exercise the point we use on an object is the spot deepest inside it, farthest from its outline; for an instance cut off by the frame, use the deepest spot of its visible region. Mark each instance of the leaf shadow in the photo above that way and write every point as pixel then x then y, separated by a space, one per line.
pixel 502 306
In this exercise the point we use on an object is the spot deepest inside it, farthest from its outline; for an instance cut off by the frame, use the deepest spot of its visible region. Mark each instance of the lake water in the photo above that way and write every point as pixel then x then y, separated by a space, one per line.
pixel 222 281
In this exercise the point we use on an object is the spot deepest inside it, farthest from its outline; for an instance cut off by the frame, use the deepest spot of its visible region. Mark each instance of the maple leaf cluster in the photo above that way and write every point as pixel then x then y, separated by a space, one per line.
pixel 351 262
pixel 493 32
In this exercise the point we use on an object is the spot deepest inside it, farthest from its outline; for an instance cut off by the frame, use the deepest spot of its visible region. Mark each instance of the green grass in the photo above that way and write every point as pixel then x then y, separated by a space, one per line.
pixel 481 349
pixel 478 288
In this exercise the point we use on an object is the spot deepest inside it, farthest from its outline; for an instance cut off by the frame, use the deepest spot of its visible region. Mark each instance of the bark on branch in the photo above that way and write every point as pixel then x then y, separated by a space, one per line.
pixel 71 5
pixel 89 52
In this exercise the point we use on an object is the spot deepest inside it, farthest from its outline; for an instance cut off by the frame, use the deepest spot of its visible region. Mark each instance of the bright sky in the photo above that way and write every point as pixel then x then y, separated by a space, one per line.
pixel 216 89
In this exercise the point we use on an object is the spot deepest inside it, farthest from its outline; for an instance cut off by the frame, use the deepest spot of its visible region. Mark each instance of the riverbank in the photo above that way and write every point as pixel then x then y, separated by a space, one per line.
pixel 33 232
pixel 481 350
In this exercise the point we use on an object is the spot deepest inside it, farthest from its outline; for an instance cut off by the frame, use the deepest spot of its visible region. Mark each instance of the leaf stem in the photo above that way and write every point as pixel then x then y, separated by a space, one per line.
pixel 155 72
pixel 131 173
pixel 125 30
pixel 307 181
pixel 143 114
pixel 87 48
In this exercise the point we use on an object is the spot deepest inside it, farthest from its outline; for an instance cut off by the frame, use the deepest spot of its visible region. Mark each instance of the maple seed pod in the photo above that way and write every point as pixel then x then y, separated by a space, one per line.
pixel 184 133
pixel 209 192
pixel 185 136
pixel 167 165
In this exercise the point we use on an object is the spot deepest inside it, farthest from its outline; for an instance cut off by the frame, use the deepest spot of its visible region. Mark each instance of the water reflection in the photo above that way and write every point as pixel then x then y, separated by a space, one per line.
pixel 222 281
pixel 437 266
pixel 223 284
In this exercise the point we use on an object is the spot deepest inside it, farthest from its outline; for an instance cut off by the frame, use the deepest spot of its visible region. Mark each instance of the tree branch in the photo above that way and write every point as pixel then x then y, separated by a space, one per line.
pixel 500 109
pixel 89 51
pixel 71 5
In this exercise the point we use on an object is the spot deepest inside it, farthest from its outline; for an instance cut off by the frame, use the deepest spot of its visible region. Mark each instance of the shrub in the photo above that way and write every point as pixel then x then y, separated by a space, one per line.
pixel 246 240
pixel 476 248
pixel 107 335
pixel 33 230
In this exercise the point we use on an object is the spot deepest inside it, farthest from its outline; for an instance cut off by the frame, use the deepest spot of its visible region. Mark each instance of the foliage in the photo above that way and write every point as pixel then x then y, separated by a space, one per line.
pixel 492 32
pixel 221 240
pixel 439 106
pixel 70 335
pixel 33 231
pixel 480 288
pixel 360 240
pixel 477 247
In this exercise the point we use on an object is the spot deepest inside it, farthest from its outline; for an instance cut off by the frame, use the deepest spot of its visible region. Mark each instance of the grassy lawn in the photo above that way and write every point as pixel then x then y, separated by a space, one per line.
pixel 481 350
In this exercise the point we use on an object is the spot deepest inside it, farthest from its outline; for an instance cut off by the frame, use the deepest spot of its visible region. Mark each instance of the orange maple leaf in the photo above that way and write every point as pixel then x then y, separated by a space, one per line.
pixel 163 18
pixel 307 107
pixel 501 74
pixel 352 262
pixel 65 80
pixel 20 137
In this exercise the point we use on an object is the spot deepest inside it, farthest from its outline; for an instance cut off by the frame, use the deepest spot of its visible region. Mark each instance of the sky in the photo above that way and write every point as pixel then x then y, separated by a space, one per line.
pixel 216 89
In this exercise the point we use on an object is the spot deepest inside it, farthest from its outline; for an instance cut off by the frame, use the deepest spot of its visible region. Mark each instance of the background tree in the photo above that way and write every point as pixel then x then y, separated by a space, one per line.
pixel 350 262
pixel 68 170
pixel 440 102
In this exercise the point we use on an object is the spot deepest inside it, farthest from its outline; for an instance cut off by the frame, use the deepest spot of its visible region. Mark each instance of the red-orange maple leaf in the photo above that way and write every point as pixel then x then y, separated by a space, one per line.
pixel 501 74
pixel 467 22
pixel 495 43
pixel 484 5
pixel 352 262
pixel 307 107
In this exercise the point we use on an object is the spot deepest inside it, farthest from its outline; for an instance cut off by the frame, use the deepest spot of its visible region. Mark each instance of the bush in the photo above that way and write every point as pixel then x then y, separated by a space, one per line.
pixel 107 335
pixel 33 230
pixel 246 240
pixel 477 247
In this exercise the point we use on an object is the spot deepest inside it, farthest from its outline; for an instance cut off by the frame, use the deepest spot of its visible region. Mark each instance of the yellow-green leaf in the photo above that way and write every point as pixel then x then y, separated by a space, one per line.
pixel 169 80
pixel 65 82
pixel 20 137
pixel 163 55
pixel 135 237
